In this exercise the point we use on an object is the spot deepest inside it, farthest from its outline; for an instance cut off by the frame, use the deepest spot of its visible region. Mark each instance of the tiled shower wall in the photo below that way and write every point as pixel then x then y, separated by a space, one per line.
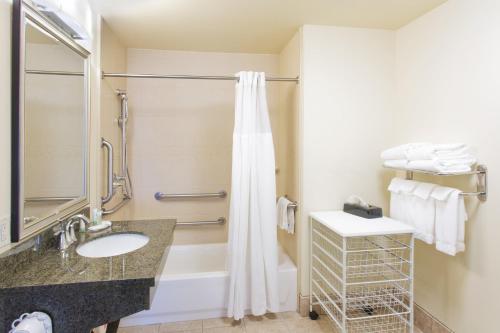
pixel 181 134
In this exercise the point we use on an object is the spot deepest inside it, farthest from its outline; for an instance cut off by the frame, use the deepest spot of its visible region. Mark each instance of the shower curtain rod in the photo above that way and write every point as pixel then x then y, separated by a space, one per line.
pixel 194 77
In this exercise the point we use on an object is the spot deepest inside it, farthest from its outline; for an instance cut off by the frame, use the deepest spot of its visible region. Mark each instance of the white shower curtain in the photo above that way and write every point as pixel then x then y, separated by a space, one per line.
pixel 253 247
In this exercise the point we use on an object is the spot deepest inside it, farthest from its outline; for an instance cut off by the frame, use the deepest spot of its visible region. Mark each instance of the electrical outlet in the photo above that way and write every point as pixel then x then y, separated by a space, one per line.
pixel 4 230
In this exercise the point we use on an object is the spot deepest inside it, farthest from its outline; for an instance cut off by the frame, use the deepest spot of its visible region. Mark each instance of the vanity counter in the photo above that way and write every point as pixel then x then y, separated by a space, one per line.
pixel 49 267
pixel 47 280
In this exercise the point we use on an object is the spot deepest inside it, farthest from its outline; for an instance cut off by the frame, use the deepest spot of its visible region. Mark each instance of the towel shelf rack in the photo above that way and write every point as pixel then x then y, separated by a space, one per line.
pixel 161 196
pixel 481 172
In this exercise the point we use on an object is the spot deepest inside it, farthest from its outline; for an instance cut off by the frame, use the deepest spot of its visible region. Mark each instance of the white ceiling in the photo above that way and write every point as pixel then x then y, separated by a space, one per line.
pixel 254 26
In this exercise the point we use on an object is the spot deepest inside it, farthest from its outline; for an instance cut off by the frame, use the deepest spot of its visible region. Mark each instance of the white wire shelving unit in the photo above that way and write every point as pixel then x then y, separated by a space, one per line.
pixel 361 273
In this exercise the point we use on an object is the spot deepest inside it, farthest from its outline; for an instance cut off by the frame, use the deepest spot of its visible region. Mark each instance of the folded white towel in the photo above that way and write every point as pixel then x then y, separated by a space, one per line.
pixel 286 215
pixel 450 220
pixel 443 165
pixel 398 164
pixel 427 151
pixel 400 152
pixel 431 151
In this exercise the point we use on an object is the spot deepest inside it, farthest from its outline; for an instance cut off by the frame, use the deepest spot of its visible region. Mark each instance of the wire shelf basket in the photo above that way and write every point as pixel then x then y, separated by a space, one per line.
pixel 364 284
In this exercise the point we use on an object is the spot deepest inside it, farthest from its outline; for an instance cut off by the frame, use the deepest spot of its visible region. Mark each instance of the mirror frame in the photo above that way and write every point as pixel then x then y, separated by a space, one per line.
pixel 24 12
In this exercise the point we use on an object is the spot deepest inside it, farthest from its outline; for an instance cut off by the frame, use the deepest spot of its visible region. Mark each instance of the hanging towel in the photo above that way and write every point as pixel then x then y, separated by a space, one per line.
pixel 286 215
pixel 424 212
pixel 450 220
pixel 252 243
pixel 401 200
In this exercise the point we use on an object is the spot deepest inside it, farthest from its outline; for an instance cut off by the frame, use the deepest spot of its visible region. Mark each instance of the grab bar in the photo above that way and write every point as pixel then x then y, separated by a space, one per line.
pixel 116 207
pixel 110 188
pixel 161 196
pixel 43 199
pixel 219 221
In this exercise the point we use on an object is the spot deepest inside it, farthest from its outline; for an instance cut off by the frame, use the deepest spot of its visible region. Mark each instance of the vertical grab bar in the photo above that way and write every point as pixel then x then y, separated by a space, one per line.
pixel 110 190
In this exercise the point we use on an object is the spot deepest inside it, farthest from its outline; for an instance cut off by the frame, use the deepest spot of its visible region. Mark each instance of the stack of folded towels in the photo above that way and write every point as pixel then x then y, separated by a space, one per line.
pixel 442 158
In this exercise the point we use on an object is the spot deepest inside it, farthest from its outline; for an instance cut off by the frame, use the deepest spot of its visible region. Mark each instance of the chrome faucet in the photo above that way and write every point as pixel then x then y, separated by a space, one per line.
pixel 66 230
pixel 63 239
pixel 84 221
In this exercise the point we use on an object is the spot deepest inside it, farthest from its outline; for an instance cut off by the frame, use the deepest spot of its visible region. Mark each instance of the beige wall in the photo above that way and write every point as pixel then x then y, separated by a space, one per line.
pixel 348 89
pixel 113 60
pixel 287 155
pixel 181 134
pixel 448 74
pixel 5 45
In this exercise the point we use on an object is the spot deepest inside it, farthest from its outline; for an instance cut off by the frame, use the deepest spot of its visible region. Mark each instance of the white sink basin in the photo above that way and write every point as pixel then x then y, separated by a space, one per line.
pixel 112 245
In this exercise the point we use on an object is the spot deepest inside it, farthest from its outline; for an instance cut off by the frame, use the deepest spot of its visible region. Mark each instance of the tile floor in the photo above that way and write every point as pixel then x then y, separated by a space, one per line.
pixel 286 322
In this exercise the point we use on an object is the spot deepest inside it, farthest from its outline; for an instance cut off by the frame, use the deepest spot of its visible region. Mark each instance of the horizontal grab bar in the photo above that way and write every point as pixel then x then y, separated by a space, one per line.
pixel 39 199
pixel 160 195
pixel 219 221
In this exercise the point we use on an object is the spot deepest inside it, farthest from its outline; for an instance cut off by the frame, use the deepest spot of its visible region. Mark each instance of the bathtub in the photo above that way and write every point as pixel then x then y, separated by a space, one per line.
pixel 193 285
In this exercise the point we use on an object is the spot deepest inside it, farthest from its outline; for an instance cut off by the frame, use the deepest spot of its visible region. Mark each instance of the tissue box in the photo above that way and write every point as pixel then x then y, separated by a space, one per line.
pixel 371 212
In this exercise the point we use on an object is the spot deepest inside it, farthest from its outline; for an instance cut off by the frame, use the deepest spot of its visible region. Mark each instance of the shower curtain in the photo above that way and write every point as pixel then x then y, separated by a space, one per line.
pixel 252 245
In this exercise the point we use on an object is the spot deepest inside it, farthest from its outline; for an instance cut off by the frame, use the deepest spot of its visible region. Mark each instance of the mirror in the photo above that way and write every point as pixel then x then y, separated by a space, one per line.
pixel 50 114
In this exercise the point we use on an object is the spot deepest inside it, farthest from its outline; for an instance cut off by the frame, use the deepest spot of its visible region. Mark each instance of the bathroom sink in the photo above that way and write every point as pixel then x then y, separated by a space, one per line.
pixel 112 245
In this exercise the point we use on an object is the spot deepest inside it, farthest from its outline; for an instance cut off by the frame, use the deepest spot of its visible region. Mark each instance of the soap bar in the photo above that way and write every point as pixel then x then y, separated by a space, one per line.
pixel 371 212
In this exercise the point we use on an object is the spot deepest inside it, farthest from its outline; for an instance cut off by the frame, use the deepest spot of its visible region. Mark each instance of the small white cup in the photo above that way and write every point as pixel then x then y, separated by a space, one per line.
pixel 29 323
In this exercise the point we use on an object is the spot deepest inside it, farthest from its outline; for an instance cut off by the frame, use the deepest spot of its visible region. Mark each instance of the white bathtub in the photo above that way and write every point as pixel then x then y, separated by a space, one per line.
pixel 194 283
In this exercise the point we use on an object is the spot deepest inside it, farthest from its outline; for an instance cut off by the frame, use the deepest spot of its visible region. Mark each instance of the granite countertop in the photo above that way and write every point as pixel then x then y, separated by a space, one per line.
pixel 48 267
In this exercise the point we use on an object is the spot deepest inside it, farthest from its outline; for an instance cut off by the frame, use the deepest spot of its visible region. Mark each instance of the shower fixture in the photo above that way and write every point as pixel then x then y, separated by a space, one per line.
pixel 122 179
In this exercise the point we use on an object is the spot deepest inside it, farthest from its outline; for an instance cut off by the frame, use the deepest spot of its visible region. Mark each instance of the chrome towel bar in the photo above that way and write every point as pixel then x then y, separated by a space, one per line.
pixel 481 172
pixel 219 221
pixel 161 196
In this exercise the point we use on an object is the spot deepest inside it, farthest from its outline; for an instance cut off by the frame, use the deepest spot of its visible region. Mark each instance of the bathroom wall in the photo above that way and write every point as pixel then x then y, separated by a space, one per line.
pixel 288 123
pixel 347 117
pixel 448 74
pixel 181 134
pixel 5 109
pixel 113 60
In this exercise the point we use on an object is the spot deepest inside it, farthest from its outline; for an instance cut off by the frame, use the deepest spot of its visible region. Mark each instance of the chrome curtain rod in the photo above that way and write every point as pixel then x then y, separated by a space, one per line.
pixel 43 72
pixel 194 77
